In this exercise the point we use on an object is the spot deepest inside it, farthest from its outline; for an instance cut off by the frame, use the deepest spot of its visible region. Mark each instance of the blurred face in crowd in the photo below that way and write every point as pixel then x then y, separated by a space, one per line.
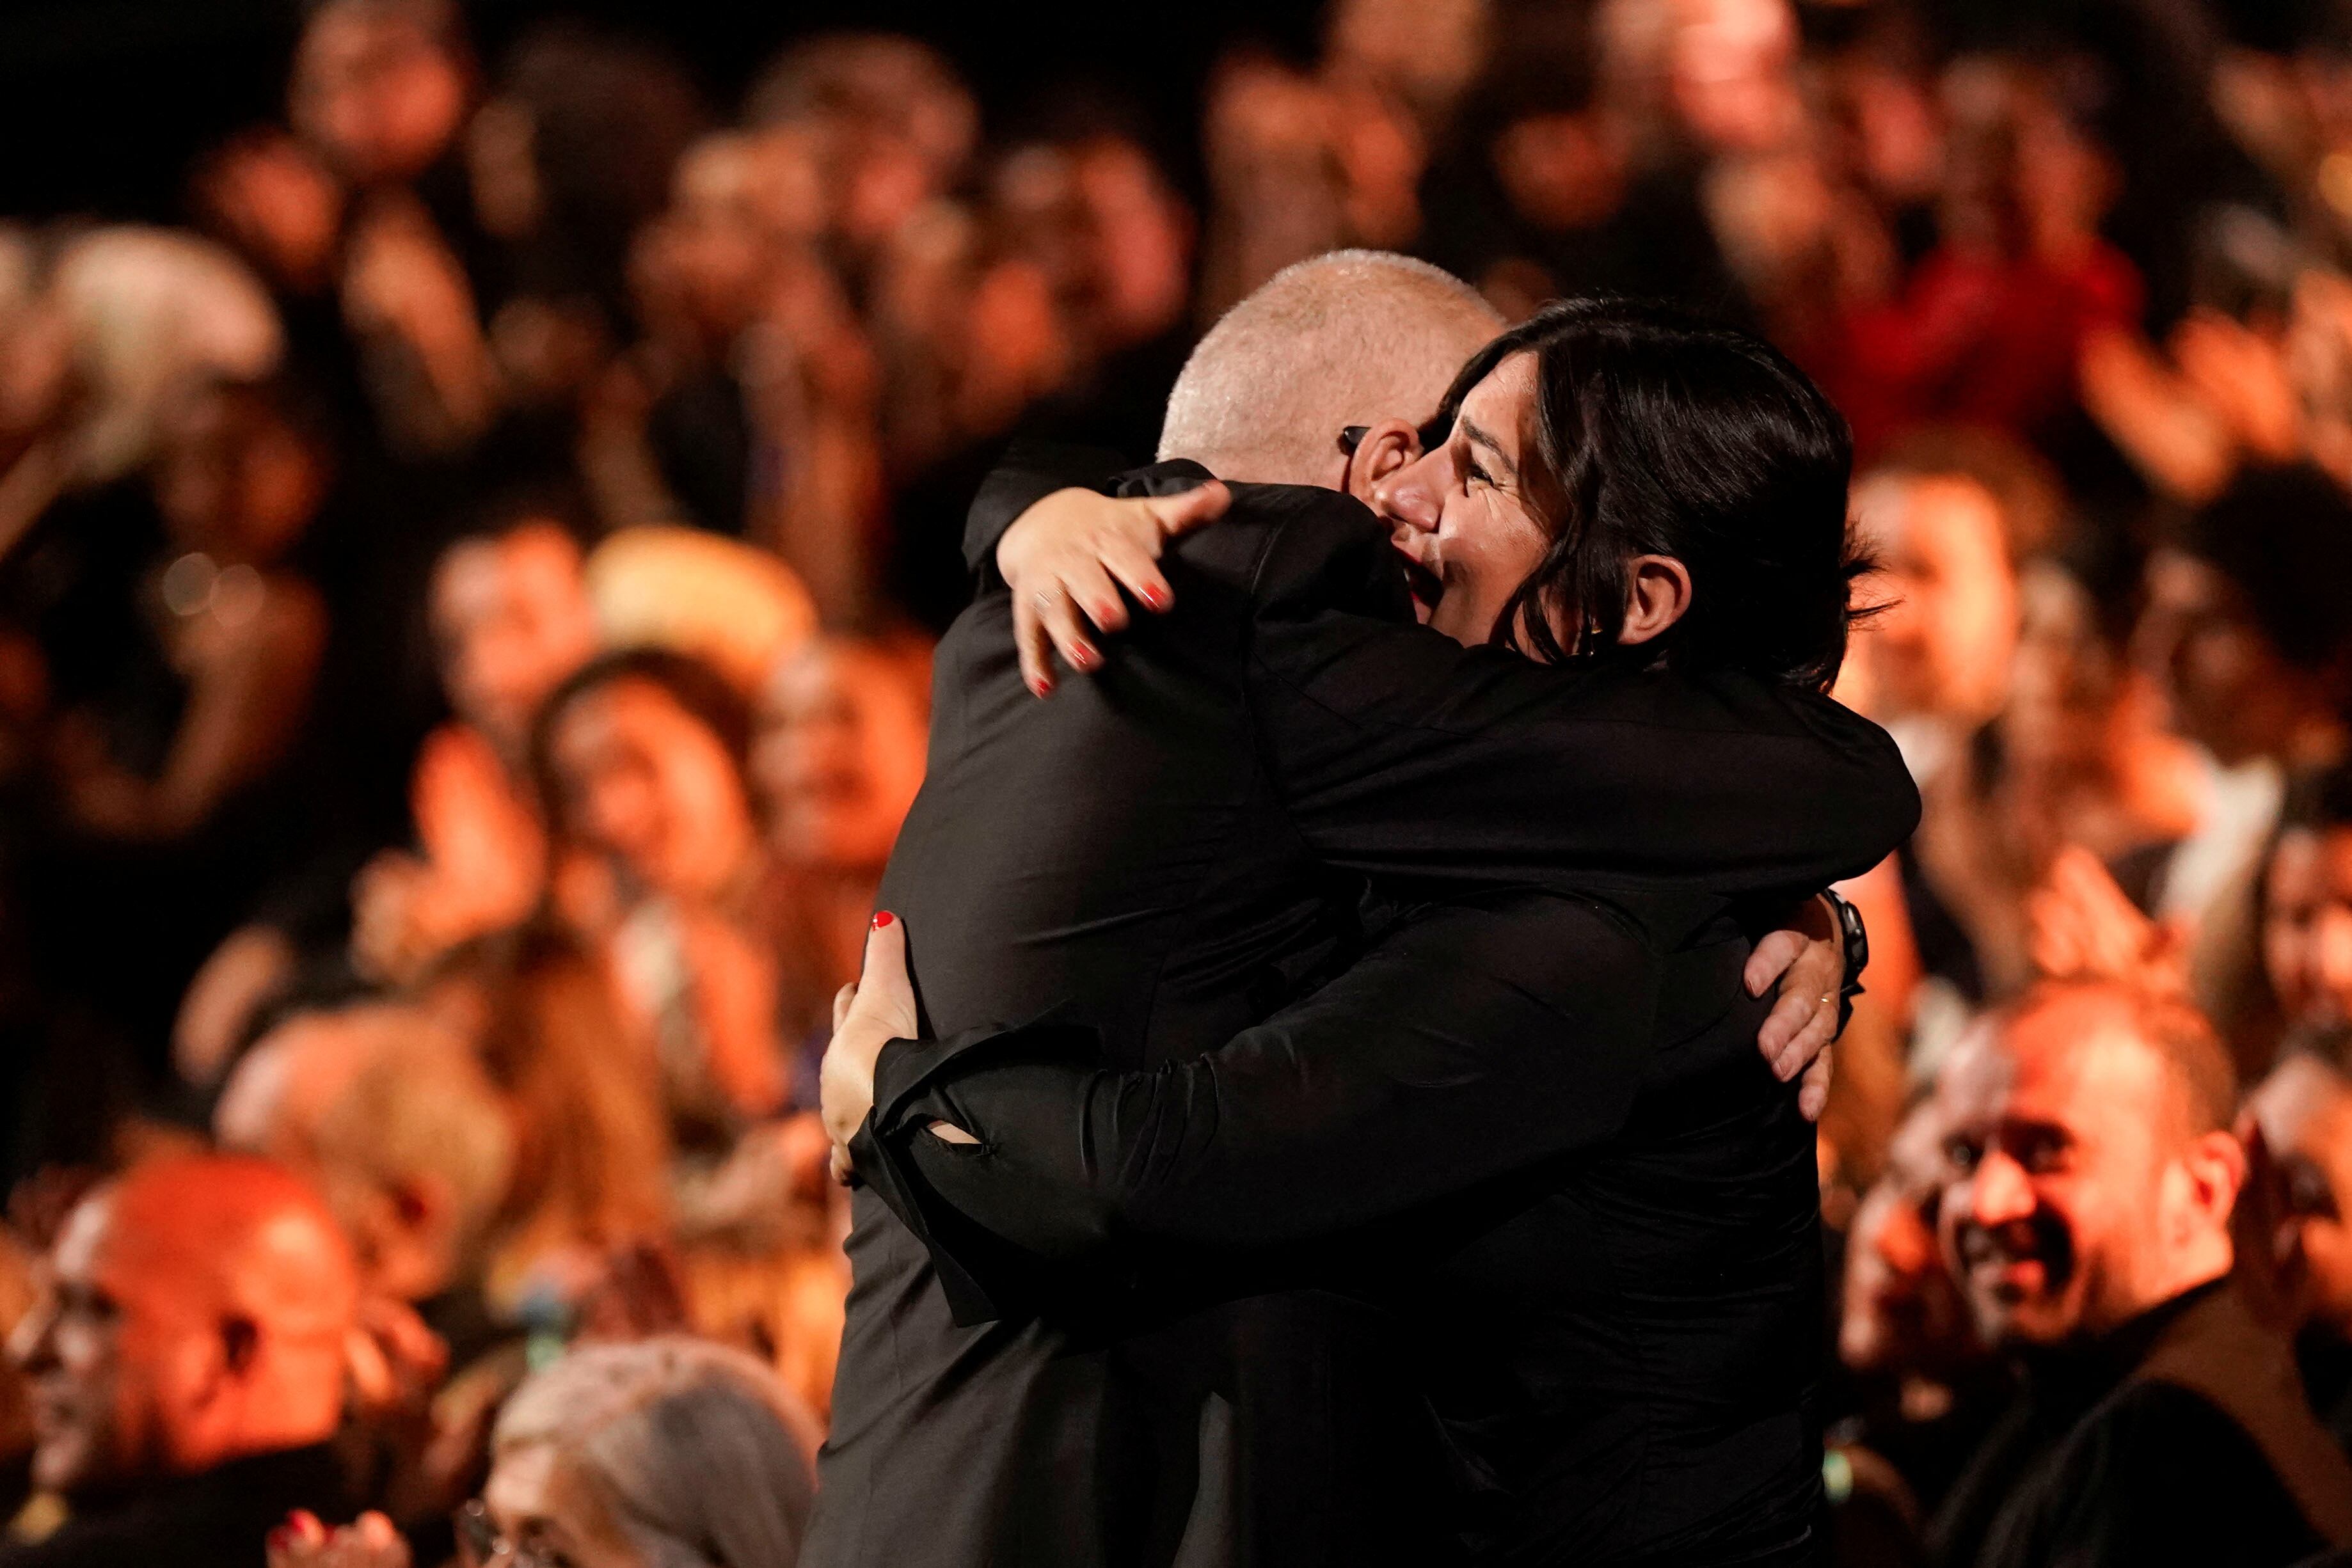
pixel 1462 514
pixel 92 1348
pixel 643 781
pixel 710 249
pixel 376 90
pixel 2307 925
pixel 1944 644
pixel 2229 686
pixel 539 1500
pixel 149 1356
pixel 1902 1310
pixel 512 621
pixel 840 754
pixel 233 478
pixel 2304 1110
pixel 1105 231
pixel 2079 1196
pixel 278 204
pixel 2065 677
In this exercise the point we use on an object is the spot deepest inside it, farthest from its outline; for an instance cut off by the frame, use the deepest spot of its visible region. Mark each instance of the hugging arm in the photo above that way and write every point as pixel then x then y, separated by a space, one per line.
pixel 1401 753
pixel 1468 1045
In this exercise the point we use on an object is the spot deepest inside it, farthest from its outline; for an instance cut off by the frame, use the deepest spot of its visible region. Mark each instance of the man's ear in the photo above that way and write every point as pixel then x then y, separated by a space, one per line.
pixel 2215 1164
pixel 1386 447
pixel 1657 594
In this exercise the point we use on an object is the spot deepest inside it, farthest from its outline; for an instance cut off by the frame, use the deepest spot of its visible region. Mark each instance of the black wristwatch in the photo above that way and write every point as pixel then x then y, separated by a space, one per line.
pixel 1856 937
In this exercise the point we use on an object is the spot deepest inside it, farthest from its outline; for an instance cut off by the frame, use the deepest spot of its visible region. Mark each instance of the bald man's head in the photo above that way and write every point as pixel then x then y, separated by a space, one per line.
pixel 195 1311
pixel 1355 336
pixel 396 1121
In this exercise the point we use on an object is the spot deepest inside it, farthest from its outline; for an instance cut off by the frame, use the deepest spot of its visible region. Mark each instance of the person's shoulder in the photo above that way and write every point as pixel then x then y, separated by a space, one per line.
pixel 2155 1463
pixel 1299 549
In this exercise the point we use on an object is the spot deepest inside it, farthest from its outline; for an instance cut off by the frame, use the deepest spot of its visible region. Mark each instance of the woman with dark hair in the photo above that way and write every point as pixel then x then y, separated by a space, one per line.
pixel 642 758
pixel 1615 476
pixel 1535 1129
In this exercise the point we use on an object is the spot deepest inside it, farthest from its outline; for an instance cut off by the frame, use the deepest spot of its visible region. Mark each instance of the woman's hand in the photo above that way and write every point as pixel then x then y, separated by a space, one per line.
pixel 867 1016
pixel 1807 957
pixel 302 1541
pixel 1074 550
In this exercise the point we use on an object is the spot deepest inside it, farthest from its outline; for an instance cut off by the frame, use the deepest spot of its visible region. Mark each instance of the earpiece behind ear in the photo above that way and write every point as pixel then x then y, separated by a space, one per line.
pixel 1380 451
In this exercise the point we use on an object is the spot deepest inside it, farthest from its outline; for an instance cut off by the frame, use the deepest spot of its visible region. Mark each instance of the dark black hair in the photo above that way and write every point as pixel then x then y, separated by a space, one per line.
pixel 701 690
pixel 2284 535
pixel 1661 433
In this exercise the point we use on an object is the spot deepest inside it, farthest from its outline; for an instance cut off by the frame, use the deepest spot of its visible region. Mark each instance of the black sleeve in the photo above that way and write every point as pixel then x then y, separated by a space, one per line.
pixel 1469 1044
pixel 1399 752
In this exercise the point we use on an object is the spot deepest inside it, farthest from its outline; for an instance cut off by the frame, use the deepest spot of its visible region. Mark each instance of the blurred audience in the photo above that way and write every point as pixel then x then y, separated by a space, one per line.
pixel 2087 1219
pixel 186 1359
pixel 463 617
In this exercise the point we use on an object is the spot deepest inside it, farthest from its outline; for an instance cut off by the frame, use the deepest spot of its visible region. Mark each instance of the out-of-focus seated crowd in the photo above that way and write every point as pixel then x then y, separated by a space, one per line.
pixel 464 608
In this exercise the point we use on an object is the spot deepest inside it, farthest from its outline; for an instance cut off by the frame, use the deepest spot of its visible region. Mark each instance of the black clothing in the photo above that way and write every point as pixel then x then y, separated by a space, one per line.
pixel 216 1519
pixel 2325 1359
pixel 1604 1252
pixel 2182 1436
pixel 1165 853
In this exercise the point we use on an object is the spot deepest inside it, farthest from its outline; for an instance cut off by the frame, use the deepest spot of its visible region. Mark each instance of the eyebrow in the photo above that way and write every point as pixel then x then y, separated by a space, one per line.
pixel 1480 438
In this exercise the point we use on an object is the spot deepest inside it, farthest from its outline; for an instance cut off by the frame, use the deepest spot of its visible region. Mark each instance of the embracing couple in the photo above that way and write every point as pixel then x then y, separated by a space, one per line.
pixel 1333 1080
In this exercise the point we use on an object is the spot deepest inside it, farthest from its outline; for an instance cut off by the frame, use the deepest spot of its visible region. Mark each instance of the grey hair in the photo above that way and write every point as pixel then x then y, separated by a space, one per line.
pixel 1351 337
pixel 702 1456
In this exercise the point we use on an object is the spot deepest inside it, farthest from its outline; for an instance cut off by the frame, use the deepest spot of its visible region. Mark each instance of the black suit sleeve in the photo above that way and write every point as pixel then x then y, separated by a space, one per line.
pixel 1403 753
pixel 1400 753
pixel 1469 1044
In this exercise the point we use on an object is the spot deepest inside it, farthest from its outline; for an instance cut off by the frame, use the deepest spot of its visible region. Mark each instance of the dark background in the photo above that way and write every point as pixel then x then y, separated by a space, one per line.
pixel 104 103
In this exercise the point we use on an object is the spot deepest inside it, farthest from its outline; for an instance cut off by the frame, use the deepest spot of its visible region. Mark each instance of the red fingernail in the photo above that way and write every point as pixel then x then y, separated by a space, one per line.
pixel 1085 658
pixel 1156 597
pixel 883 918
pixel 1042 687
pixel 280 1539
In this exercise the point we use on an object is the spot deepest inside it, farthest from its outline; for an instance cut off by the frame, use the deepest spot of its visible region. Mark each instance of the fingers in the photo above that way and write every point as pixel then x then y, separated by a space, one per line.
pixel 1786 1021
pixel 1138 571
pixel 1035 648
pixel 839 1167
pixel 1814 1096
pixel 884 993
pixel 1086 584
pixel 842 999
pixel 1771 958
pixel 1059 613
pixel 1179 515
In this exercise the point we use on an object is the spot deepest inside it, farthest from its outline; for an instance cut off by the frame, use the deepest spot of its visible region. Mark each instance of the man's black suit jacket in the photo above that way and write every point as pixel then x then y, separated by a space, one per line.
pixel 1167 851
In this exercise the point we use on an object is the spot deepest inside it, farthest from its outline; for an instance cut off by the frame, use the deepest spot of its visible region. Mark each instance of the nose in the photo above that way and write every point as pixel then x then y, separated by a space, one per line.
pixel 1414 495
pixel 1998 1192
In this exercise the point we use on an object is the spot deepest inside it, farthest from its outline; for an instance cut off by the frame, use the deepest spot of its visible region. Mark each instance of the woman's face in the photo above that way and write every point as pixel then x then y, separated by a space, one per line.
pixel 646 783
pixel 840 755
pixel 1462 515
pixel 545 1506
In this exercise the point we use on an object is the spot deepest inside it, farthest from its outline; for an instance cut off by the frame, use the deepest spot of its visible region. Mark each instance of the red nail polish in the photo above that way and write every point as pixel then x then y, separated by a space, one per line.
pixel 1156 597
pixel 280 1539
pixel 883 918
